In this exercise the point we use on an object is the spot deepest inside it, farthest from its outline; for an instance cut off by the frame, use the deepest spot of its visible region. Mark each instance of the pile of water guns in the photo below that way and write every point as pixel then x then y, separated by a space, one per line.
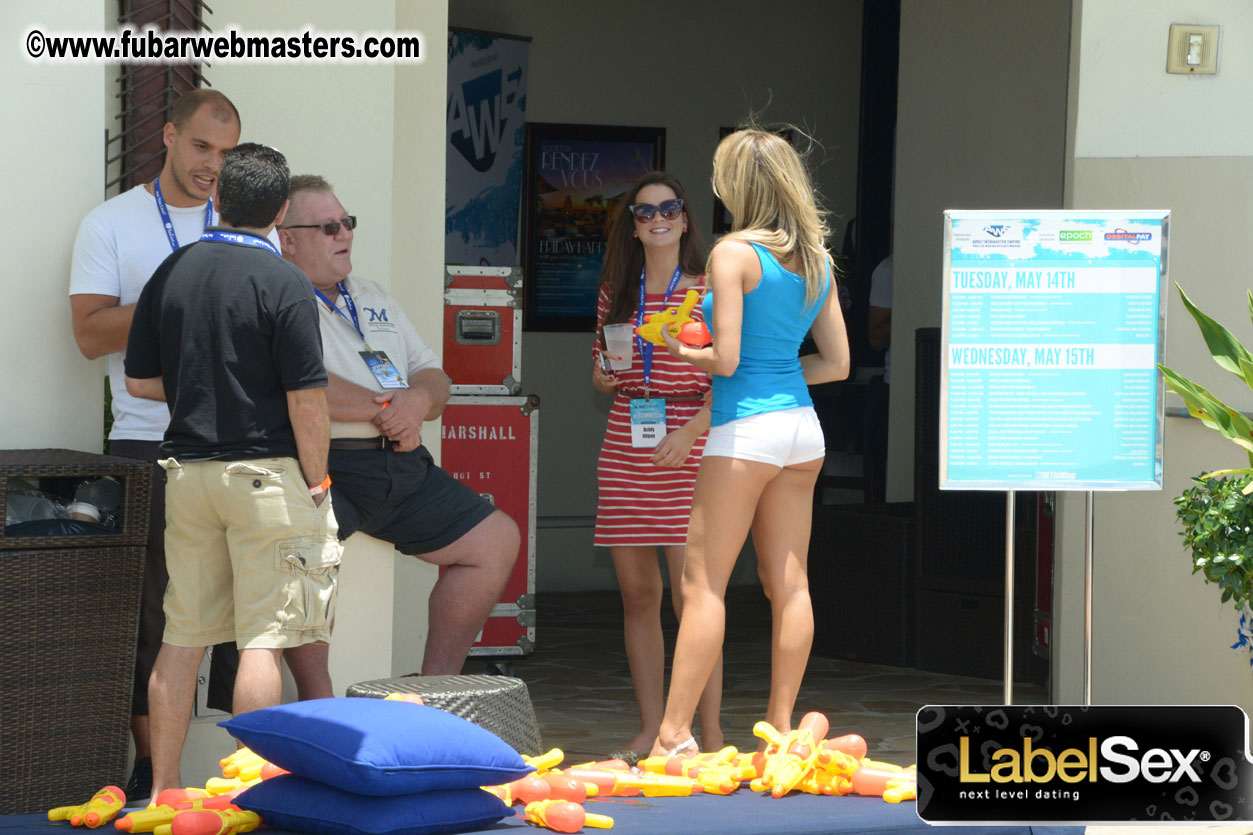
pixel 191 811
pixel 799 760
pixel 802 759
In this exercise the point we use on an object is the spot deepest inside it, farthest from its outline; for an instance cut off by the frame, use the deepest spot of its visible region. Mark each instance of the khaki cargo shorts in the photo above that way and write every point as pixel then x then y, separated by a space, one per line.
pixel 251 558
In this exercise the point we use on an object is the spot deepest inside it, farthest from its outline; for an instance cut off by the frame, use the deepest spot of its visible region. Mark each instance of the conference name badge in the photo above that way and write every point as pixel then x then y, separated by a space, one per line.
pixel 648 422
pixel 383 370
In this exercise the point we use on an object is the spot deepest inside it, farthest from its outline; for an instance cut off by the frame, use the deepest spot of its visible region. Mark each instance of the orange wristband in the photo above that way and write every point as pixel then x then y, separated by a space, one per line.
pixel 321 488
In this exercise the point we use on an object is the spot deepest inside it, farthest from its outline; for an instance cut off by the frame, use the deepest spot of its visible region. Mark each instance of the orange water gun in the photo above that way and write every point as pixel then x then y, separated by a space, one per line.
pixel 628 784
pixel 229 821
pixel 611 765
pixel 714 776
pixel 545 762
pixel 564 816
pixel 795 754
pixel 224 785
pixel 98 811
pixel 402 697
pixel 526 789
pixel 171 797
pixel 245 768
pixel 235 756
pixel 148 820
pixel 842 768
pixel 867 778
pixel 891 782
pixel 533 787
pixel 676 321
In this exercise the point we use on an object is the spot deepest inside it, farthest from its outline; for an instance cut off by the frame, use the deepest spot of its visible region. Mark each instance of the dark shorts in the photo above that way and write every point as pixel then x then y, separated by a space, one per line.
pixel 151 614
pixel 402 498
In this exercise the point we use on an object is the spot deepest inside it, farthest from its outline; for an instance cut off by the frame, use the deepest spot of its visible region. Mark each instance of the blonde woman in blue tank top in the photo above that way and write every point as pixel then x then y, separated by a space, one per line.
pixel 770 282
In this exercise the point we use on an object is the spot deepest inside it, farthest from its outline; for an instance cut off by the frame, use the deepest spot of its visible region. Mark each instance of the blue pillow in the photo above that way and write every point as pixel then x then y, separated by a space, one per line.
pixel 376 747
pixel 300 805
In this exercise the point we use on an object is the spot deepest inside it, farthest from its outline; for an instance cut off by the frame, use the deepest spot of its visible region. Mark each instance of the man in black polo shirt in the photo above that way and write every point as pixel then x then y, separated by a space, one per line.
pixel 226 333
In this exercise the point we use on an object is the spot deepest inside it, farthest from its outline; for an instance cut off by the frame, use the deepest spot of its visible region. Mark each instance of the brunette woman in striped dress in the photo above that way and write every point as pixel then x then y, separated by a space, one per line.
pixel 645 494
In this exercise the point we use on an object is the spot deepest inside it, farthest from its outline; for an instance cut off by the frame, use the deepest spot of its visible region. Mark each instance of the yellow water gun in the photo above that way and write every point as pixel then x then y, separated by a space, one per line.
pixel 678 322
pixel 98 811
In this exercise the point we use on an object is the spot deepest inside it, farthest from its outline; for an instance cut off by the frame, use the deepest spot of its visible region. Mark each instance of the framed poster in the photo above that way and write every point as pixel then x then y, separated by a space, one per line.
pixel 1053 326
pixel 574 177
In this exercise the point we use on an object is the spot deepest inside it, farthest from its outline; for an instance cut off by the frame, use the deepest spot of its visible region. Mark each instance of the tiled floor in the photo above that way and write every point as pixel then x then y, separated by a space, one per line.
pixel 581 689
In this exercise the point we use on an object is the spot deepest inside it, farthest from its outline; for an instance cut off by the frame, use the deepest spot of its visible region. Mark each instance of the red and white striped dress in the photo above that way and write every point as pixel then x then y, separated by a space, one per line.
pixel 639 503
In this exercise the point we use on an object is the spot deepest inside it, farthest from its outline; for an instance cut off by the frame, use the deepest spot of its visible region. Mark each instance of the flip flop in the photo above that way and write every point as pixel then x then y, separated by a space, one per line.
pixel 628 756
pixel 689 742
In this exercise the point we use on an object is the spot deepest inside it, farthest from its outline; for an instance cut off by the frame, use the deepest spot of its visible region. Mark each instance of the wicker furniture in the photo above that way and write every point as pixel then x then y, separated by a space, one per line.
pixel 500 704
pixel 69 610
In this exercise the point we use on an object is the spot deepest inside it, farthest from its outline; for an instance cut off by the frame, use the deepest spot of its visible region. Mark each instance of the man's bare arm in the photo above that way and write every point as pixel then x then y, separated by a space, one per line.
pixel 311 423
pixel 101 326
pixel 349 402
pixel 150 388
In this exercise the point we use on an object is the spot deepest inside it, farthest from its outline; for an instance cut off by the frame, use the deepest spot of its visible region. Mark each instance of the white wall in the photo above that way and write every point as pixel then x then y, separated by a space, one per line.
pixel 375 131
pixel 689 67
pixel 418 154
pixel 1130 107
pixel 1160 635
pixel 981 124
pixel 50 396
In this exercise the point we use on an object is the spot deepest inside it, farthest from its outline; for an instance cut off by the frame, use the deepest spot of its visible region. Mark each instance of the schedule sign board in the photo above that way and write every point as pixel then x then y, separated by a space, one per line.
pixel 1053 325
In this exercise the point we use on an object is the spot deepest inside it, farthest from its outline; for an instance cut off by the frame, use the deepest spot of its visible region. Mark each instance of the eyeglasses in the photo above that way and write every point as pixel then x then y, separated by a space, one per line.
pixel 645 212
pixel 331 227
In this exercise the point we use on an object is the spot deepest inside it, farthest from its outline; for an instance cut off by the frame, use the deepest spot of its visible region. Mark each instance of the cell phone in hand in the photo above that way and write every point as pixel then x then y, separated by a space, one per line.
pixel 604 364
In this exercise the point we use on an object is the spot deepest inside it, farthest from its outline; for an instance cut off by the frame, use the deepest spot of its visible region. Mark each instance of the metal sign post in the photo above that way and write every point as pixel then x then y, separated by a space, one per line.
pixel 1051 337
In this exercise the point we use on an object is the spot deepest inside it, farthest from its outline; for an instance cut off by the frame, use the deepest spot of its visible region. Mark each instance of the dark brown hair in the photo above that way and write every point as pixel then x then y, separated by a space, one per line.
pixel 624 254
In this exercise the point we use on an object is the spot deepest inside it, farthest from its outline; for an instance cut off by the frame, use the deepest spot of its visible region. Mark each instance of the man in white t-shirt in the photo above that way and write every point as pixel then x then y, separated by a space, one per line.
pixel 383 480
pixel 120 244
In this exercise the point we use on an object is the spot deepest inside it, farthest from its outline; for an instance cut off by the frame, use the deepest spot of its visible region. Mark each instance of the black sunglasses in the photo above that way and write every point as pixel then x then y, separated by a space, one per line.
pixel 645 212
pixel 331 227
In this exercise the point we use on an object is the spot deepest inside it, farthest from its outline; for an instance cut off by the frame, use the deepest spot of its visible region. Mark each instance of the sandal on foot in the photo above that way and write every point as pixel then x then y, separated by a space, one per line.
pixel 627 756
pixel 690 742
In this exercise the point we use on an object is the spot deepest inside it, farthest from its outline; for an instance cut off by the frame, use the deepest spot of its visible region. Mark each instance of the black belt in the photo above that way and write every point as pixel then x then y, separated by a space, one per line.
pixel 378 442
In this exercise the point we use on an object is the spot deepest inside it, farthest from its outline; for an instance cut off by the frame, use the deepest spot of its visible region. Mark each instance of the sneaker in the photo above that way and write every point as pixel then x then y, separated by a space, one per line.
pixel 139 786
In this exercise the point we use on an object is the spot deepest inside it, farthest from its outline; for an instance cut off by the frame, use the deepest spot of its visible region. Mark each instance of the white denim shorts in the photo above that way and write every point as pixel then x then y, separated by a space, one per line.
pixel 782 438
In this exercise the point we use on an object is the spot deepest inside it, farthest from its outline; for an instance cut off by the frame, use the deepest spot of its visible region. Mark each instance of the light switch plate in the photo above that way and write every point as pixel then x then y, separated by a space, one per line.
pixel 1177 49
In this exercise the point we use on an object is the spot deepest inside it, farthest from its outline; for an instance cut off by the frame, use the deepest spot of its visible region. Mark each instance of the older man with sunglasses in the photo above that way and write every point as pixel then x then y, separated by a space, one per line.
pixel 385 382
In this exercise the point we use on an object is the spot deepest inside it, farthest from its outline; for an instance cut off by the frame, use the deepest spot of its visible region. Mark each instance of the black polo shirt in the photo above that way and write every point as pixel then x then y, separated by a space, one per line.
pixel 230 329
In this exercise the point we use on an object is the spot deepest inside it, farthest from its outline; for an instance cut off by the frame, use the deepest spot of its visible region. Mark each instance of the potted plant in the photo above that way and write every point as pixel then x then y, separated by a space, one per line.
pixel 1216 512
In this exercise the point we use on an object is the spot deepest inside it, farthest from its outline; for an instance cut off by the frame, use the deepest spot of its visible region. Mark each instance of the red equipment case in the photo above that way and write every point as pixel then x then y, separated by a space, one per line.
pixel 483 329
pixel 490 444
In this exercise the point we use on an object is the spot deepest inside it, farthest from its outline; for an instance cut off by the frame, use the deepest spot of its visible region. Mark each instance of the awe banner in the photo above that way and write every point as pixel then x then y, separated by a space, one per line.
pixel 486 114
pixel 1053 326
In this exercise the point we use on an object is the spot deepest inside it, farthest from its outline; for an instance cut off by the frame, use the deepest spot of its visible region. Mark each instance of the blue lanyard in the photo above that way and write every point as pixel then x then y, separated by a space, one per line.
pixel 352 308
pixel 241 238
pixel 646 348
pixel 165 214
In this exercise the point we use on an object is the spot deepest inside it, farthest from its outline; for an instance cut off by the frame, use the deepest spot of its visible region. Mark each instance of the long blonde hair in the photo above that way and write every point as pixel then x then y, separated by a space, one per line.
pixel 764 184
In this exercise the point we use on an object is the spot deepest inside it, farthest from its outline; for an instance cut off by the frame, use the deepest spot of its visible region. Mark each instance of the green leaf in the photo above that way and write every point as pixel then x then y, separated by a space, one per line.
pixel 1223 346
pixel 1207 408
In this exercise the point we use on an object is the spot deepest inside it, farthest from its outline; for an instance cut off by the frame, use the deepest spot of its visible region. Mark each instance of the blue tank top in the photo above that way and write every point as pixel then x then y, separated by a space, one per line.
pixel 776 319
